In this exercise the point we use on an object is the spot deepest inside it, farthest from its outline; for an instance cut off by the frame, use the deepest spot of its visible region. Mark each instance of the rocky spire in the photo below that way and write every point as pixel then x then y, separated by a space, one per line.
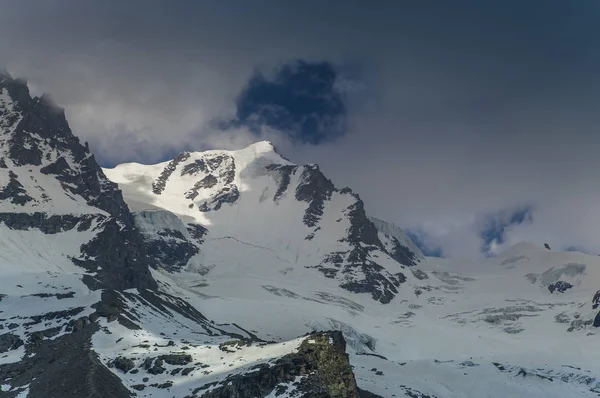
pixel 41 153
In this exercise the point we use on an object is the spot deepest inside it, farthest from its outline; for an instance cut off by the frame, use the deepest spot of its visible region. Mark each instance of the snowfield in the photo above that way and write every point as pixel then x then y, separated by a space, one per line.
pixel 487 328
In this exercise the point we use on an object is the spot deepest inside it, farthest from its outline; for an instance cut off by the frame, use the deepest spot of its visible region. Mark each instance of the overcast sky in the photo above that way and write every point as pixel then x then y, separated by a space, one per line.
pixel 473 124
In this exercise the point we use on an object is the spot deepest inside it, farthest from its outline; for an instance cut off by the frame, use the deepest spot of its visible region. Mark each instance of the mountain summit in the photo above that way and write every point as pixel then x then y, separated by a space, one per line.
pixel 292 217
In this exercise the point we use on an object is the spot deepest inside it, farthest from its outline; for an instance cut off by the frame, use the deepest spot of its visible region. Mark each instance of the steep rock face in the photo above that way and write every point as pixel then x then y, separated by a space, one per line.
pixel 253 199
pixel 320 368
pixel 64 367
pixel 399 245
pixel 559 287
pixel 54 185
pixel 170 243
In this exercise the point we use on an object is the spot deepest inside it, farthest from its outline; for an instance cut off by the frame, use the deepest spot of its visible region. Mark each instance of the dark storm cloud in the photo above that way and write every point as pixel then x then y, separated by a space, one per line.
pixel 456 109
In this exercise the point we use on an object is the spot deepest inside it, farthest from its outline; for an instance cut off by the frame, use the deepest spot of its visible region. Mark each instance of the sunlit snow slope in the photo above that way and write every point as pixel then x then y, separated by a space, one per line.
pixel 518 325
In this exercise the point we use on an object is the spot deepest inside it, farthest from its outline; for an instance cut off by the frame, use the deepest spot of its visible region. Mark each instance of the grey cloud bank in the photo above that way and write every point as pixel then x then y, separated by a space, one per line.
pixel 460 110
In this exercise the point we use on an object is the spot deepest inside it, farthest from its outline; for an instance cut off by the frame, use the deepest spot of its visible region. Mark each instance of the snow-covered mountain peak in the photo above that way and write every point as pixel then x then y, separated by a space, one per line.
pixel 305 222
pixel 261 149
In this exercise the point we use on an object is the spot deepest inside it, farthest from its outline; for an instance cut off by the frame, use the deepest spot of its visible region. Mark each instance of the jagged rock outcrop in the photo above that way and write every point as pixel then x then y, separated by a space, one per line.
pixel 56 185
pixel 170 243
pixel 319 369
pixel 559 287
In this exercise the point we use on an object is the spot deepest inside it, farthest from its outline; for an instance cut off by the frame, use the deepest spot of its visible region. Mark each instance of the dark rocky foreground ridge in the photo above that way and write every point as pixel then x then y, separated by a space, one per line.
pixel 58 359
pixel 36 134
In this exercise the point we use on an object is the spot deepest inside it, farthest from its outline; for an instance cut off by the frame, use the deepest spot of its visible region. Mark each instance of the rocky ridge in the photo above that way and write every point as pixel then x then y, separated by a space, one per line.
pixel 78 275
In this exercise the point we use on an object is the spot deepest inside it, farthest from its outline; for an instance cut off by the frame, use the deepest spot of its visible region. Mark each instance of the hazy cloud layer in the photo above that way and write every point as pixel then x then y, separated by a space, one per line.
pixel 455 112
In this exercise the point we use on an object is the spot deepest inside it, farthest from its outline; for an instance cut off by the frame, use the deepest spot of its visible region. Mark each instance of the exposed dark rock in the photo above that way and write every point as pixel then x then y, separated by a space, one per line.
pixel 221 169
pixel 227 173
pixel 197 232
pixel 14 191
pixel 361 228
pixel 559 287
pixel 48 224
pixel 38 127
pixel 314 188
pixel 167 384
pixel 372 355
pixel 123 364
pixel 421 275
pixel 321 359
pixel 372 282
pixel 70 354
pixel 361 272
pixel 402 254
pixel 113 307
pixel 59 296
pixel 154 366
pixel 193 168
pixel 118 256
pixel 283 175
pixel 234 345
pixel 54 315
pixel 187 371
pixel 229 194
pixel 49 333
pixel 176 359
pixel 214 162
pixel 59 167
pixel 207 182
pixel 158 186
pixel 9 341
pixel 172 250
pixel 596 300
